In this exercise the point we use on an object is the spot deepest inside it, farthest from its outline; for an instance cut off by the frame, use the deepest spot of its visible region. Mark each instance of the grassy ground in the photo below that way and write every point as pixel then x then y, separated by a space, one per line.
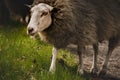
pixel 22 58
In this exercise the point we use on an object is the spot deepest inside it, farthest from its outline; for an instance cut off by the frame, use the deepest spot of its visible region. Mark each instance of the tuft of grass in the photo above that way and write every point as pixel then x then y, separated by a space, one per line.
pixel 22 58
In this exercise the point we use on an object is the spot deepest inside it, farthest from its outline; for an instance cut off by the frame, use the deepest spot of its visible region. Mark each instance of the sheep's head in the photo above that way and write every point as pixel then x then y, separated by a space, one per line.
pixel 40 18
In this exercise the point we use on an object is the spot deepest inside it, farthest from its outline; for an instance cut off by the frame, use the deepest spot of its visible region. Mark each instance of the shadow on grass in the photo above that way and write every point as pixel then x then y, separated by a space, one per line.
pixel 10 72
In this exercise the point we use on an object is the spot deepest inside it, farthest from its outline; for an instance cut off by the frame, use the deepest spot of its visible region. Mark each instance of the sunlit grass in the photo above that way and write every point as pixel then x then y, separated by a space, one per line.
pixel 22 58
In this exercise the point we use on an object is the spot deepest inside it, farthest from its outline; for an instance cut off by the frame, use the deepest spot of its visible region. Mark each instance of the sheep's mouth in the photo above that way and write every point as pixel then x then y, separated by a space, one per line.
pixel 32 34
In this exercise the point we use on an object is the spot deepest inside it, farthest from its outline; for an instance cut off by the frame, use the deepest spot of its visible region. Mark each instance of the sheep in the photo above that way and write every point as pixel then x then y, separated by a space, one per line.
pixel 19 7
pixel 63 23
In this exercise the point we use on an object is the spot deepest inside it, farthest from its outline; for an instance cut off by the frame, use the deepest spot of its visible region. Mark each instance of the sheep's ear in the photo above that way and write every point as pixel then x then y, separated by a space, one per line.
pixel 49 7
pixel 55 10
pixel 30 6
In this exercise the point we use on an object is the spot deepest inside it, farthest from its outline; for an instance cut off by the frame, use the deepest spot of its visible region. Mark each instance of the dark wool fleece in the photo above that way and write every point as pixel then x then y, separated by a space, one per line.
pixel 82 22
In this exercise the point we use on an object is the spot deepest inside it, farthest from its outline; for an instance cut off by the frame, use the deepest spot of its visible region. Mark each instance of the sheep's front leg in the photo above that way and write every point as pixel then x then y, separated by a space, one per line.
pixel 80 66
pixel 53 63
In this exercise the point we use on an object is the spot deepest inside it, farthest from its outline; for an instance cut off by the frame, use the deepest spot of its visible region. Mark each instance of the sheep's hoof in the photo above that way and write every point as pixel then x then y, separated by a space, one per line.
pixel 94 72
pixel 52 71
pixel 102 73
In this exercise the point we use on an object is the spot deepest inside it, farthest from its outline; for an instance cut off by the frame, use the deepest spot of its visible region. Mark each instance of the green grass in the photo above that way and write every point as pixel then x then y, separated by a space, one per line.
pixel 22 58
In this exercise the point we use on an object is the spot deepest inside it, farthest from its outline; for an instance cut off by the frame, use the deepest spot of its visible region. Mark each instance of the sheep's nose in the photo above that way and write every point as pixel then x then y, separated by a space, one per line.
pixel 30 30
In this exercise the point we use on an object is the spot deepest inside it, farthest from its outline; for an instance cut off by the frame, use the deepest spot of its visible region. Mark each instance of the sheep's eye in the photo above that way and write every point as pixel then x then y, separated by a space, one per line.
pixel 44 13
pixel 31 13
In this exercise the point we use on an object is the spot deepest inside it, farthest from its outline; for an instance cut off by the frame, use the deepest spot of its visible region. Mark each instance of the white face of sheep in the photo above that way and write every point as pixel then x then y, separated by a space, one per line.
pixel 40 18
